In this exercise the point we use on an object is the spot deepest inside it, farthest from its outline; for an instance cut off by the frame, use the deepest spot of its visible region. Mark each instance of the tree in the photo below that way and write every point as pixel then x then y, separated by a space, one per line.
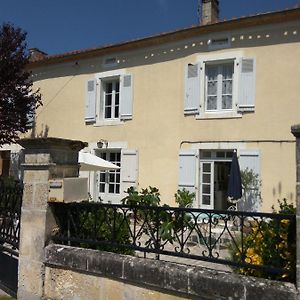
pixel 18 101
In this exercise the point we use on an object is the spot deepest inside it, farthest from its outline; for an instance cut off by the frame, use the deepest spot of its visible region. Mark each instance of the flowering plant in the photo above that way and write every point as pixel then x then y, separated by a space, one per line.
pixel 269 243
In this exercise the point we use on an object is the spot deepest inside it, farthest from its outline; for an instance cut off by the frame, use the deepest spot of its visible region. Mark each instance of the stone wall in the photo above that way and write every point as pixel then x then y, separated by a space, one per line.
pixel 75 273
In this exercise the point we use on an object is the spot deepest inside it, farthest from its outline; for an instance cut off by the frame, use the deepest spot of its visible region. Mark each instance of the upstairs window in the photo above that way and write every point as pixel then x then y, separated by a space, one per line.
pixel 219 87
pixel 111 96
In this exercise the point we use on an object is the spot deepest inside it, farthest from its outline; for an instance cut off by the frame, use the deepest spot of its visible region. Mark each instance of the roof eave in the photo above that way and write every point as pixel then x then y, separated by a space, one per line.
pixel 257 20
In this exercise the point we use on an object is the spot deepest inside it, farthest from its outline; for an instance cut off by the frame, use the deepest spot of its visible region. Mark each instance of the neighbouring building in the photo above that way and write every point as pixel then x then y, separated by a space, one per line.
pixel 170 109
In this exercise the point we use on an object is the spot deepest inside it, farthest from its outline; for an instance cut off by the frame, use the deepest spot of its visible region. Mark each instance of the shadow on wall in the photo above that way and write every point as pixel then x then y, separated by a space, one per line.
pixel 277 193
pixel 42 134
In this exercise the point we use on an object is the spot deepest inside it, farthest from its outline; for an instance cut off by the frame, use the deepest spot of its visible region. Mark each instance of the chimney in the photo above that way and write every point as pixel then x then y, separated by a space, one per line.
pixel 36 54
pixel 210 11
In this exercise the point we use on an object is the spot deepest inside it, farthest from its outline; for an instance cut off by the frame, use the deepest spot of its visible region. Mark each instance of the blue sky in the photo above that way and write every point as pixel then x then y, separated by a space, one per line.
pixel 57 26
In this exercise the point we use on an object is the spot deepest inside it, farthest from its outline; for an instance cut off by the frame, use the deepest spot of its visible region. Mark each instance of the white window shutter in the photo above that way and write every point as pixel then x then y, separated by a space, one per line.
pixel 246 96
pixel 192 89
pixel 250 159
pixel 90 102
pixel 129 169
pixel 126 102
pixel 187 170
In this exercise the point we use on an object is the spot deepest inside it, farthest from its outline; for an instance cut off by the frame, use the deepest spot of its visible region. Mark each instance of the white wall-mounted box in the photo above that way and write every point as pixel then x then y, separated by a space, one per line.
pixel 68 190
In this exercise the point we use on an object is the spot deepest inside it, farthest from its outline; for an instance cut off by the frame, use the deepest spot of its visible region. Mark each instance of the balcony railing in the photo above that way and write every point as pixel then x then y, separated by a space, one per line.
pixel 259 244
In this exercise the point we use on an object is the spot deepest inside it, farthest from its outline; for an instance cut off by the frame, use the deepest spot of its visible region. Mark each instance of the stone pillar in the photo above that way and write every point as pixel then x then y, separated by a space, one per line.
pixel 45 158
pixel 296 132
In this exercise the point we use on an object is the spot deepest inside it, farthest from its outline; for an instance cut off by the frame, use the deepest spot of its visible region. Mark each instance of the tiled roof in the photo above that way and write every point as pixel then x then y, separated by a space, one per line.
pixel 286 15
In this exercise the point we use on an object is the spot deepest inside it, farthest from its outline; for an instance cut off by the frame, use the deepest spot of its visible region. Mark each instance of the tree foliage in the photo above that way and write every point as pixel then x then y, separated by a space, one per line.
pixel 18 101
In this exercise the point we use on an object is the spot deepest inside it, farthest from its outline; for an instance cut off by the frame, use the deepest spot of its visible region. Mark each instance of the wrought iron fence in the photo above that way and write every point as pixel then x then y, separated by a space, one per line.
pixel 10 215
pixel 259 244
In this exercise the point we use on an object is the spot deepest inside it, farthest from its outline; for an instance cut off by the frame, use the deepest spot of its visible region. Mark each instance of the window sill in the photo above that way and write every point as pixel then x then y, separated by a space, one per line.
pixel 108 123
pixel 219 115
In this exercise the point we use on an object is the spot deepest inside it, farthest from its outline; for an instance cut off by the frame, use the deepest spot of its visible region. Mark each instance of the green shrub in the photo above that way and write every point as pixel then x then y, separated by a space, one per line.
pixel 105 225
pixel 184 198
pixel 271 243
pixel 167 224
pixel 147 197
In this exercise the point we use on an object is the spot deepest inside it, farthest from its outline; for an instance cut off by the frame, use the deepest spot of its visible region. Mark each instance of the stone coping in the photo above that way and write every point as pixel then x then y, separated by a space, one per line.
pixel 192 281
pixel 52 143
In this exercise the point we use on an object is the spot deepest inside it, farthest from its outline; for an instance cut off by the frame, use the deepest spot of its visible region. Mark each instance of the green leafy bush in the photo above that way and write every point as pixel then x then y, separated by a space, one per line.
pixel 184 198
pixel 106 225
pixel 167 224
pixel 269 243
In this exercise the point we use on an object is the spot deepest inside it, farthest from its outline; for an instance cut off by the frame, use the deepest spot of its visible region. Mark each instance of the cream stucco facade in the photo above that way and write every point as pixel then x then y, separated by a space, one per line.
pixel 159 129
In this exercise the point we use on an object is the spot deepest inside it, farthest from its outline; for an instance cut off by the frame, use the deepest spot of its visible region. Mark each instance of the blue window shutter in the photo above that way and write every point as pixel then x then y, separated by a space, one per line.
pixel 90 101
pixel 246 96
pixel 187 170
pixel 192 89
pixel 250 159
pixel 129 169
pixel 126 101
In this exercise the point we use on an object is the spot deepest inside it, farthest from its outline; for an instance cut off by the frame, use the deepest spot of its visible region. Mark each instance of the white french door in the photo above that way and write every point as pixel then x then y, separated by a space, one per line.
pixel 207 184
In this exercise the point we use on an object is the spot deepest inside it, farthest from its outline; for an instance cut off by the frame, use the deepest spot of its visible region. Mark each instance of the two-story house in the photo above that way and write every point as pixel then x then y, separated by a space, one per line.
pixel 170 109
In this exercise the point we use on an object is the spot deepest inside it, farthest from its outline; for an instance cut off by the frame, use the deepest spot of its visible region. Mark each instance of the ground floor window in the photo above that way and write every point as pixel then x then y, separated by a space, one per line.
pixel 109 181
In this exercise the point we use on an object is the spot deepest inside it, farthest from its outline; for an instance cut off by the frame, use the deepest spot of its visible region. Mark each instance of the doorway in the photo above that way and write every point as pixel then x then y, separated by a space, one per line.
pixel 214 177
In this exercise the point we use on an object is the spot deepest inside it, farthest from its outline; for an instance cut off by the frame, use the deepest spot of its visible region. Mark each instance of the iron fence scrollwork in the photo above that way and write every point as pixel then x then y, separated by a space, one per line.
pixel 238 239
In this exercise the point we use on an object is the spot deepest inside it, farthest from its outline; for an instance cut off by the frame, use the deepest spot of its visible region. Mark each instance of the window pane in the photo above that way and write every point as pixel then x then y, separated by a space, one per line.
pixel 108 112
pixel 206 200
pixel 117 99
pixel 220 154
pixel 102 177
pixel 211 102
pixel 227 71
pixel 102 188
pixel 229 154
pixel 109 87
pixel 205 154
pixel 108 98
pixel 118 177
pixel 212 87
pixel 206 188
pixel 226 102
pixel 117 112
pixel 111 188
pixel 117 87
pixel 212 73
pixel 117 188
pixel 112 157
pixel 206 178
pixel 227 87
pixel 111 178
pixel 206 168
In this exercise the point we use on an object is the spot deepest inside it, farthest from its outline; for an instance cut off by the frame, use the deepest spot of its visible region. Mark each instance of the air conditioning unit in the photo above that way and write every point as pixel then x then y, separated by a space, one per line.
pixel 68 190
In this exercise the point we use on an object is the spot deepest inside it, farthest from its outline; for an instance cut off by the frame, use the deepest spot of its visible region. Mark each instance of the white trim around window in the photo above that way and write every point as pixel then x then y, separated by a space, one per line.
pixel 217 63
pixel 102 79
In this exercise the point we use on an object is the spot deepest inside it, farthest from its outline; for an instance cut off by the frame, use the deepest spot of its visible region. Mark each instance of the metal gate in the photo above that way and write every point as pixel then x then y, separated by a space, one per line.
pixel 10 214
